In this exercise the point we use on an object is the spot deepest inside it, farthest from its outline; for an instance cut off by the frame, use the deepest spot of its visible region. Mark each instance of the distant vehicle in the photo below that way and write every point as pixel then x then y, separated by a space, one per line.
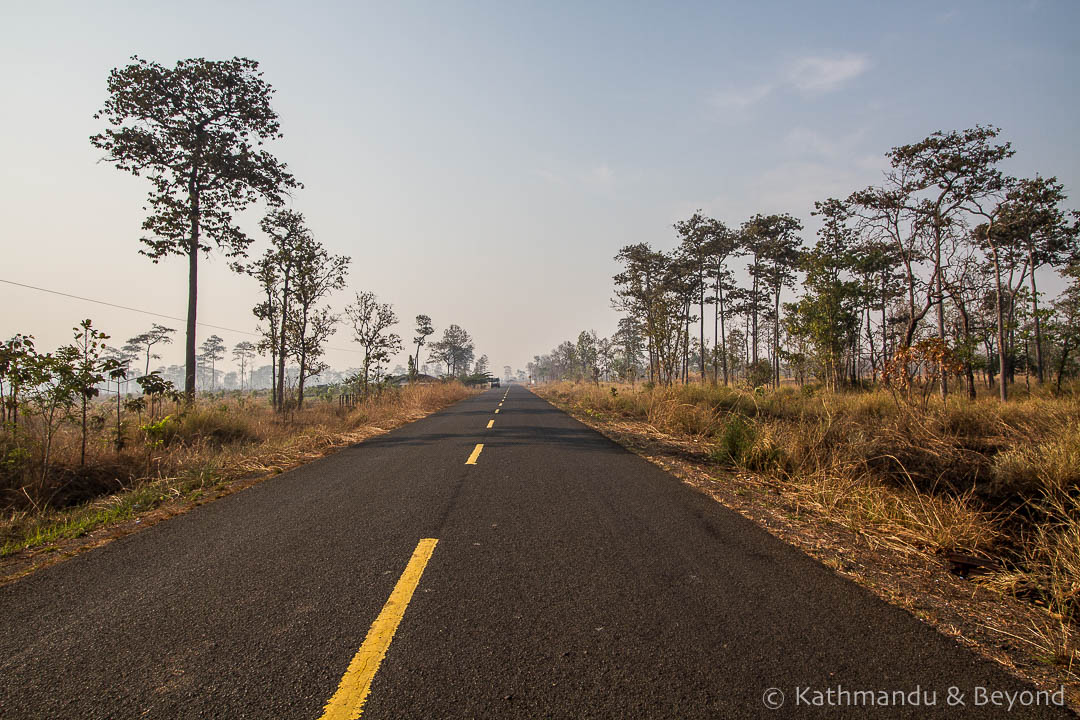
pixel 495 382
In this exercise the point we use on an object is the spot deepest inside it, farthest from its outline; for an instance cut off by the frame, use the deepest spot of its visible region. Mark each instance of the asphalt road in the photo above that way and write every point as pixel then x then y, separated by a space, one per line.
pixel 571 578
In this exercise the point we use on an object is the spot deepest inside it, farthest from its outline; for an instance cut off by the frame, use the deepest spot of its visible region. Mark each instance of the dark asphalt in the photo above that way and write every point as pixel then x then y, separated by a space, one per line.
pixel 571 579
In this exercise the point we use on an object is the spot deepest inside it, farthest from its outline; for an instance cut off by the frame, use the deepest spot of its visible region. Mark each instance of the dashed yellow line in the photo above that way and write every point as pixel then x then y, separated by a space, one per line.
pixel 475 454
pixel 496 411
pixel 490 423
pixel 348 702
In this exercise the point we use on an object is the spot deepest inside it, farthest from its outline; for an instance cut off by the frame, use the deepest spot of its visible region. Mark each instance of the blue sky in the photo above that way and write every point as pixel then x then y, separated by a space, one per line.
pixel 483 162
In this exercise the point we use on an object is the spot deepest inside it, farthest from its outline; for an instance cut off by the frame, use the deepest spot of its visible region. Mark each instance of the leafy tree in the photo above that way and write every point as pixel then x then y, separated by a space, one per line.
pixel 424 328
pixel 776 255
pixel 277 270
pixel 156 388
pixel 695 235
pixel 143 343
pixel 116 368
pixel 629 342
pixel 213 349
pixel 86 371
pixel 17 358
pixel 481 366
pixel 639 292
pixel 243 352
pixel 588 355
pixel 53 392
pixel 317 274
pixel 1032 219
pixel 455 350
pixel 1065 328
pixel 827 313
pixel 196 131
pixel 371 323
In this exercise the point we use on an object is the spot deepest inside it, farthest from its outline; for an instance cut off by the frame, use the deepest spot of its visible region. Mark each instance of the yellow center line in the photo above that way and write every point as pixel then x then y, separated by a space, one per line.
pixel 348 702
pixel 490 423
pixel 496 411
pixel 475 454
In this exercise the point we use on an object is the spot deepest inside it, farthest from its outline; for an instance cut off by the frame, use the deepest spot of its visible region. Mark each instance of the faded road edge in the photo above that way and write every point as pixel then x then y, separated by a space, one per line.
pixel 348 702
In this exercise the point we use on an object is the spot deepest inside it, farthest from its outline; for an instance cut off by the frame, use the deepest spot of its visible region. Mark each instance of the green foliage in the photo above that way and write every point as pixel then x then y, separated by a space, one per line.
pixel 156 431
pixel 734 441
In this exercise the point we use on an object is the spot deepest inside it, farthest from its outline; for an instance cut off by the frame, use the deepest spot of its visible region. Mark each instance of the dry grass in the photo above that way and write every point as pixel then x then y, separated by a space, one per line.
pixel 997 482
pixel 202 452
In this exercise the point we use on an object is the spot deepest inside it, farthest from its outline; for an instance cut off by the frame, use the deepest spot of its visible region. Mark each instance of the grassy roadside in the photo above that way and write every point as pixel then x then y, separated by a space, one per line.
pixel 966 514
pixel 216 448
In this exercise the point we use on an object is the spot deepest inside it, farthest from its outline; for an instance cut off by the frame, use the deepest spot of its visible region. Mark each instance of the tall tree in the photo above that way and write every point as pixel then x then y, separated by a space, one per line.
pixel 949 170
pixel 827 313
pixel 87 373
pixel 196 131
pixel 695 235
pixel 639 292
pixel 371 323
pixel 276 270
pixel 1034 220
pixel 1065 328
pixel 588 355
pixel 317 274
pixel 213 349
pixel 243 353
pixel 424 328
pixel 455 350
pixel 721 244
pixel 776 248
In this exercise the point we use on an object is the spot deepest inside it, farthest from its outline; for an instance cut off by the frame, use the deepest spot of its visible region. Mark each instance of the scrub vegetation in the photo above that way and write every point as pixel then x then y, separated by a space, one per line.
pixel 179 453
pixel 984 489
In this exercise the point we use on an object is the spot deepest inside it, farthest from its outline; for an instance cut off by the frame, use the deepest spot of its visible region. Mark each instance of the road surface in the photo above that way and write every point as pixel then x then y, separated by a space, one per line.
pixel 495 559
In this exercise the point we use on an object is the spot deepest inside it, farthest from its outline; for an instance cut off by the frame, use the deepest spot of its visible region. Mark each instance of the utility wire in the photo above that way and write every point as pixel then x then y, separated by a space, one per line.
pixel 145 312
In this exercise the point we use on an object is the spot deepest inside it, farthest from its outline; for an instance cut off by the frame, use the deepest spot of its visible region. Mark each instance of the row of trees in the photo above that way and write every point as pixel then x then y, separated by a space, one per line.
pixel 198 132
pixel 947 234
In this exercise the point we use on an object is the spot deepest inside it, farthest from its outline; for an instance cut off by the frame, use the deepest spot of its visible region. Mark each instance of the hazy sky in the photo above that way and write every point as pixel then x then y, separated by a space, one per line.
pixel 483 162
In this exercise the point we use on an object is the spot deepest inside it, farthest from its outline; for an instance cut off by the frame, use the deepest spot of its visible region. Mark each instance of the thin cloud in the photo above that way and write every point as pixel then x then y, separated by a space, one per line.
pixel 809 75
pixel 740 98
pixel 824 74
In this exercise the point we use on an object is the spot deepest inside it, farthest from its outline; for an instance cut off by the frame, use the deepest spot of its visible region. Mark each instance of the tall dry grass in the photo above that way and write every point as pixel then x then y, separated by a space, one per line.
pixel 982 478
pixel 192 451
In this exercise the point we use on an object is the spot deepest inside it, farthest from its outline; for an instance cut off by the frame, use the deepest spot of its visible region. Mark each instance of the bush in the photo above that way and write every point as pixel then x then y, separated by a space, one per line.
pixel 735 441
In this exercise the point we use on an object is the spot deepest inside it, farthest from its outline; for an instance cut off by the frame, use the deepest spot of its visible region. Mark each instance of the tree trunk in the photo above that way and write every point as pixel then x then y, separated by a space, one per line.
pixel 701 318
pixel 300 383
pixel 1000 322
pixel 776 339
pixel 723 338
pixel 1061 365
pixel 193 294
pixel 753 311
pixel 82 453
pixel 1035 315
pixel 940 308
pixel 281 341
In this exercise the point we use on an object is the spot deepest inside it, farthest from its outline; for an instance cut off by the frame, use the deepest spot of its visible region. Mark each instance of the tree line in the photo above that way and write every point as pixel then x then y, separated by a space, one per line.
pixel 929 278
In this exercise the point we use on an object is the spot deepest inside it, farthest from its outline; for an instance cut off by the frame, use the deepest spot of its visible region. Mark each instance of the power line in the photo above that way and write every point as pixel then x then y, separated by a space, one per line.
pixel 144 312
